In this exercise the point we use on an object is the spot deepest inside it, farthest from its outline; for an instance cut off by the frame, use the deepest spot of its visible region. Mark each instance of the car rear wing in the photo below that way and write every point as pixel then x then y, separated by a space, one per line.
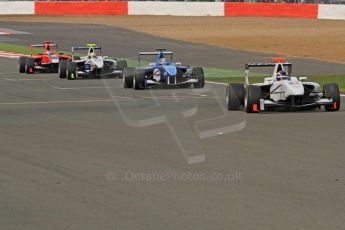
pixel 248 65
pixel 45 45
pixel 86 48
pixel 169 53
pixel 155 53
pixel 258 65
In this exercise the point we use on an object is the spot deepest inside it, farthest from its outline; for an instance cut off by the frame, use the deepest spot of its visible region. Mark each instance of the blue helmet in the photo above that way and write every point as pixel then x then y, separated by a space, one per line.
pixel 160 55
pixel 282 73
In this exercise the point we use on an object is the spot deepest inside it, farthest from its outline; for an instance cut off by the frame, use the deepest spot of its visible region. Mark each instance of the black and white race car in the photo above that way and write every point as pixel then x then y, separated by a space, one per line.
pixel 281 90
pixel 91 66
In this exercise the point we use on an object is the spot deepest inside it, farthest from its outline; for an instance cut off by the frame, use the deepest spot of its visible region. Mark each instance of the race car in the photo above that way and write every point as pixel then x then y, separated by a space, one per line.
pixel 45 62
pixel 281 91
pixel 162 72
pixel 93 65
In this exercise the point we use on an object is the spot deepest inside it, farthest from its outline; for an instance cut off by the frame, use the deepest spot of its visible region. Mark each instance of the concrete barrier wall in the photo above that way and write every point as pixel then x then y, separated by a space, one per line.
pixel 331 12
pixel 176 8
pixel 77 8
pixel 270 10
pixel 17 7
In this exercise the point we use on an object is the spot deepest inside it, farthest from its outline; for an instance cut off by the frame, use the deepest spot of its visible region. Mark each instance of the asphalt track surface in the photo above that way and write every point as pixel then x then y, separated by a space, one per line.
pixel 88 154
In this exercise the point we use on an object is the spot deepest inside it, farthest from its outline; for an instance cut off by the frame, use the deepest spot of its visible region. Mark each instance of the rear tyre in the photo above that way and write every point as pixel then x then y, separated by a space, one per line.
pixel 21 64
pixel 63 69
pixel 71 71
pixel 139 79
pixel 331 91
pixel 29 65
pixel 198 73
pixel 235 93
pixel 127 77
pixel 252 99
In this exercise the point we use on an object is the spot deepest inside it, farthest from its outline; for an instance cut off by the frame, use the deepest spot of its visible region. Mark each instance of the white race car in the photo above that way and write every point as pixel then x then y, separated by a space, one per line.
pixel 92 65
pixel 281 91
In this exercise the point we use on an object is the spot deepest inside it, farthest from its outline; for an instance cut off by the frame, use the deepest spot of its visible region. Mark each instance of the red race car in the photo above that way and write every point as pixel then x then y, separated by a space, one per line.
pixel 45 62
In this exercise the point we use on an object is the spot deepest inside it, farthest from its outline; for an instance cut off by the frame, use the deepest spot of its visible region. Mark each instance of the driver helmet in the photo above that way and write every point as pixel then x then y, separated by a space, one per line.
pixel 161 58
pixel 282 73
pixel 92 54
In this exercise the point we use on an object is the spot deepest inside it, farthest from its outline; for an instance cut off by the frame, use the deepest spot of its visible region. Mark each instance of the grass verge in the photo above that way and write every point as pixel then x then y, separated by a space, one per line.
pixel 22 49
pixel 17 48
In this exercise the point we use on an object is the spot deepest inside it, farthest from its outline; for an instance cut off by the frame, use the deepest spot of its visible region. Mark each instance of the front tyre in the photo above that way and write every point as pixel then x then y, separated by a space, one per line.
pixel 235 94
pixel 139 79
pixel 198 73
pixel 331 91
pixel 21 64
pixel 127 77
pixel 63 69
pixel 29 65
pixel 71 71
pixel 252 99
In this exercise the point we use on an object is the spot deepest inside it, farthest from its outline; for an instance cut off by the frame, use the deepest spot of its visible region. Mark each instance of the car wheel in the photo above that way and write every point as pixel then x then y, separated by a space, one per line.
pixel 252 99
pixel 235 96
pixel 21 64
pixel 139 79
pixel 71 71
pixel 63 69
pixel 198 73
pixel 331 91
pixel 29 65
pixel 127 77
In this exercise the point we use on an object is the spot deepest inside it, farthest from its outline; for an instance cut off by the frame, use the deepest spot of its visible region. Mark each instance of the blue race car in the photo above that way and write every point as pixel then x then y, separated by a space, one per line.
pixel 162 73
